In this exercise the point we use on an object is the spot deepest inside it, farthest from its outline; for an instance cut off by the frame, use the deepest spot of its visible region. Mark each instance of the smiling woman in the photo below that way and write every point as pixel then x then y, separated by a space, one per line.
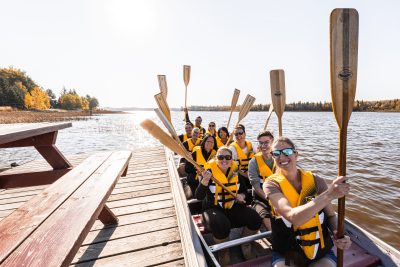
pixel 130 18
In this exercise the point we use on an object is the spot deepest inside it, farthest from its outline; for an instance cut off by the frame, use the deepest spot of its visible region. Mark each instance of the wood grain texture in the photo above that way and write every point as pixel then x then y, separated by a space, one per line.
pixel 344 57
pixel 10 133
pixel 65 229
pixel 344 61
pixel 34 212
pixel 163 105
pixel 162 83
pixel 234 101
pixel 278 94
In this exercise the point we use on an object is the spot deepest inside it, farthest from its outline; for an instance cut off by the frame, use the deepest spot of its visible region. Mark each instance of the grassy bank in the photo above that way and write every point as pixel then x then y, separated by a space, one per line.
pixel 8 117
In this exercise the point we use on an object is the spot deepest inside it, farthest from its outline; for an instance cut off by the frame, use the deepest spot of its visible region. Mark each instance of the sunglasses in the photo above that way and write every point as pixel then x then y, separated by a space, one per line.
pixel 239 133
pixel 221 157
pixel 211 125
pixel 286 151
pixel 263 143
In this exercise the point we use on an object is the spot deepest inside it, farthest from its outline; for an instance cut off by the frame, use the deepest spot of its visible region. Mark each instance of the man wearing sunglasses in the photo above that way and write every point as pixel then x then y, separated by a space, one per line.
pixel 301 200
pixel 260 168
pixel 242 152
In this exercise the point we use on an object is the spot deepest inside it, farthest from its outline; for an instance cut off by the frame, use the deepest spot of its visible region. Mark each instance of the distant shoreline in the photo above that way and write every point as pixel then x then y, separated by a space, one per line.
pixel 9 117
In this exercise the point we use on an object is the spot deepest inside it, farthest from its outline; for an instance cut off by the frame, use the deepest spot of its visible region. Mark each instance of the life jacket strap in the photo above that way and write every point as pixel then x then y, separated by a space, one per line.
pixel 306 231
pixel 307 242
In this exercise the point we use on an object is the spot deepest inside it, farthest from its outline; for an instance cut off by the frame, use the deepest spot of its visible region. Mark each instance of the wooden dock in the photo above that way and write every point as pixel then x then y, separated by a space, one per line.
pixel 148 233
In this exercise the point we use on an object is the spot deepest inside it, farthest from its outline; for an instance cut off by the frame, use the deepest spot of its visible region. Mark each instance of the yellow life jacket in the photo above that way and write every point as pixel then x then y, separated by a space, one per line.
pixel 231 181
pixel 200 158
pixel 309 235
pixel 191 145
pixel 202 131
pixel 264 170
pixel 219 141
pixel 185 137
pixel 242 157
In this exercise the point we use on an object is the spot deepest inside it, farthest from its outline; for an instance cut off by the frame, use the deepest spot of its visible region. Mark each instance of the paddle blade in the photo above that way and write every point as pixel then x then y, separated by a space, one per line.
pixel 186 74
pixel 235 98
pixel 246 106
pixel 278 92
pixel 163 105
pixel 344 56
pixel 167 124
pixel 162 136
pixel 162 83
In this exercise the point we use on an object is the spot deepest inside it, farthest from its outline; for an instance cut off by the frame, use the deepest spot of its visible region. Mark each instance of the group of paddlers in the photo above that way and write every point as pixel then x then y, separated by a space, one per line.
pixel 268 189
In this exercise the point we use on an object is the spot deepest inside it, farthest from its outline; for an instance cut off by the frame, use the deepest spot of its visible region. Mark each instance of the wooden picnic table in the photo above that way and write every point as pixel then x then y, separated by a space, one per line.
pixel 42 136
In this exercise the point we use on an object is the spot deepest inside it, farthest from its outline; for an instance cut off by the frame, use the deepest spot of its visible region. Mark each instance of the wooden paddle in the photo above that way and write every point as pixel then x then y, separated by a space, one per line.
pixel 169 142
pixel 162 83
pixel 235 98
pixel 344 56
pixel 186 79
pixel 278 94
pixel 244 110
pixel 271 108
pixel 163 105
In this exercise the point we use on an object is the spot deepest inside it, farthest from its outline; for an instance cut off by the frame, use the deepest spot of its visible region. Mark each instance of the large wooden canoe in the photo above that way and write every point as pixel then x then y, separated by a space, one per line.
pixel 366 249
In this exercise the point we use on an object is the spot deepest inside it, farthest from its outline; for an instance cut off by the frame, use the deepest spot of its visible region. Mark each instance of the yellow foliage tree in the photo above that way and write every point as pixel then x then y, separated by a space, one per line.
pixel 37 99
pixel 84 103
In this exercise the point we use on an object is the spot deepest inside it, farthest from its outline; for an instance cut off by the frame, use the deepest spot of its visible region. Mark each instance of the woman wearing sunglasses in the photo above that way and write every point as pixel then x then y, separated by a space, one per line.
pixel 211 129
pixel 201 154
pixel 242 151
pixel 221 211
pixel 302 211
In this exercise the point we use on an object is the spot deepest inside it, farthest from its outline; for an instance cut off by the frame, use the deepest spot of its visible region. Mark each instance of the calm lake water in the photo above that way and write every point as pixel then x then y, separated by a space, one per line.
pixel 373 153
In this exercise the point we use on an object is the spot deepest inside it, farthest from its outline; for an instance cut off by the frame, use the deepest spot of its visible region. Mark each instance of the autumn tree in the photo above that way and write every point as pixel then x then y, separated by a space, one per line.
pixel 37 99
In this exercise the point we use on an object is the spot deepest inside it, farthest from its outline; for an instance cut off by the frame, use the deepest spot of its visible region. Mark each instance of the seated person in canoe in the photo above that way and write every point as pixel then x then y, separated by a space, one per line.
pixel 221 211
pixel 190 143
pixel 222 136
pixel 188 132
pixel 302 216
pixel 242 152
pixel 260 168
pixel 201 154
pixel 197 123
pixel 211 130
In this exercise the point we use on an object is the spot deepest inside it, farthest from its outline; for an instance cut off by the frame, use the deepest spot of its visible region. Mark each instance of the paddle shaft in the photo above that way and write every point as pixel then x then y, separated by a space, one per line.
pixel 280 126
pixel 229 120
pixel 268 117
pixel 185 96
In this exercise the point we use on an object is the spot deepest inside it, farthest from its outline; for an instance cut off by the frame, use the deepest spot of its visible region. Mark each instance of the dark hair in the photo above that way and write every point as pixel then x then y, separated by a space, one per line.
pixel 241 126
pixel 189 123
pixel 284 140
pixel 265 133
pixel 223 128
pixel 205 137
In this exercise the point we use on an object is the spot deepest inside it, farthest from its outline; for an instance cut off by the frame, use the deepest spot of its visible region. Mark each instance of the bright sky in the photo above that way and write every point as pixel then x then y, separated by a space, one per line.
pixel 114 49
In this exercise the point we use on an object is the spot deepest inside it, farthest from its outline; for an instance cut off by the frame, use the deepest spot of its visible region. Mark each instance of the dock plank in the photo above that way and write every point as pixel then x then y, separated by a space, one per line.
pixel 147 233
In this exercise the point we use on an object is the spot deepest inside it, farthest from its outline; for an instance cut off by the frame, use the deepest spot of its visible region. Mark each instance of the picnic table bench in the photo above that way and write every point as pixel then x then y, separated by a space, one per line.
pixel 49 229
pixel 41 136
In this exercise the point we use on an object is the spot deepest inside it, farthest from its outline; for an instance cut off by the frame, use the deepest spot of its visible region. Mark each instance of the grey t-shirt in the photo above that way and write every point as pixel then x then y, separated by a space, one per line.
pixel 272 187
